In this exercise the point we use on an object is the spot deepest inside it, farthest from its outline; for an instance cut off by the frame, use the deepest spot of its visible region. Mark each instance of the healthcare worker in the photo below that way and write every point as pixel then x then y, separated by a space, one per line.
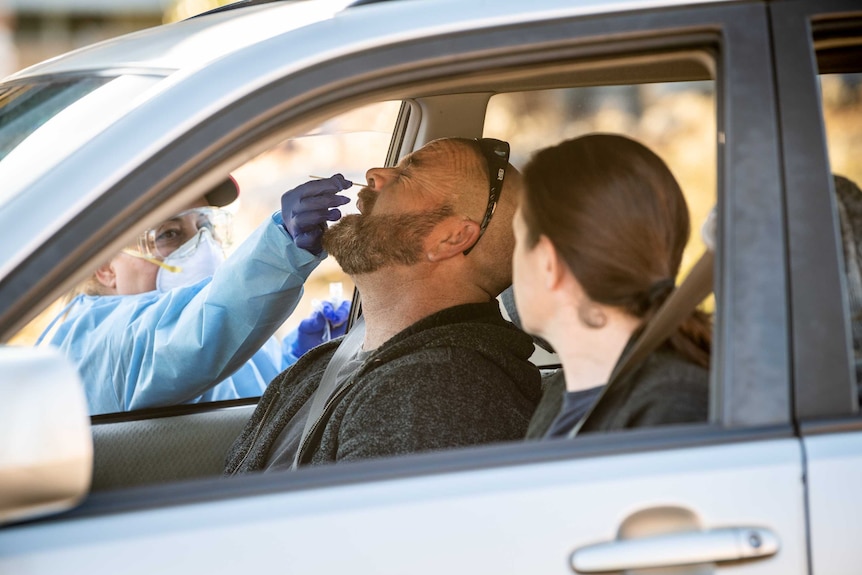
pixel 169 320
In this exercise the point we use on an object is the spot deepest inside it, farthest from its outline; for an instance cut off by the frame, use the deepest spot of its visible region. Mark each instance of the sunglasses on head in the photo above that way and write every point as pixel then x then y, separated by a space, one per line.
pixel 496 154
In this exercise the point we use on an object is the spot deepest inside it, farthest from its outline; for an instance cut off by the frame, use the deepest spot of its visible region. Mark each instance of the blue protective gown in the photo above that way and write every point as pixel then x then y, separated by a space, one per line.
pixel 165 348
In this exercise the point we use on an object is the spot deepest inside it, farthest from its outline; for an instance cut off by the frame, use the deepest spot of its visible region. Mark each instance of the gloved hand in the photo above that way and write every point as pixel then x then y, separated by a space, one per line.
pixel 307 207
pixel 325 323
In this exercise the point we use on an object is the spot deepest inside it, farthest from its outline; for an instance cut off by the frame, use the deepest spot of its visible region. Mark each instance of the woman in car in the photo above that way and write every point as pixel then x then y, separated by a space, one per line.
pixel 168 320
pixel 600 232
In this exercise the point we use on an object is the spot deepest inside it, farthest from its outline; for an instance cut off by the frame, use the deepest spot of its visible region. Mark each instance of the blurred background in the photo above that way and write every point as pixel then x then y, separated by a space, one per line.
pixel 35 30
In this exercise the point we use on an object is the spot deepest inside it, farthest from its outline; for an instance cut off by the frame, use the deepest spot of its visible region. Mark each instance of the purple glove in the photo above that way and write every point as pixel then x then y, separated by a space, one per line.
pixel 323 324
pixel 307 207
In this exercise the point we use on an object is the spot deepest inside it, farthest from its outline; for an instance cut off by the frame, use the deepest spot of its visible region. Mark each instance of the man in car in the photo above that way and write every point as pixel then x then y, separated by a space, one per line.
pixel 438 366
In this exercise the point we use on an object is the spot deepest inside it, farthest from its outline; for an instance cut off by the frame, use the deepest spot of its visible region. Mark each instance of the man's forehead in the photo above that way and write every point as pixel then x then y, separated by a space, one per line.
pixel 437 154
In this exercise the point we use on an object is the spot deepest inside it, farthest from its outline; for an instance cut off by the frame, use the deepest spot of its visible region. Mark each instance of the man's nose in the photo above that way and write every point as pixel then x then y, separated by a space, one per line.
pixel 377 178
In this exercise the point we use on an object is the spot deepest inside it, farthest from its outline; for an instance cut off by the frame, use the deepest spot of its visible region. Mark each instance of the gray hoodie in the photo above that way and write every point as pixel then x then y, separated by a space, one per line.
pixel 459 377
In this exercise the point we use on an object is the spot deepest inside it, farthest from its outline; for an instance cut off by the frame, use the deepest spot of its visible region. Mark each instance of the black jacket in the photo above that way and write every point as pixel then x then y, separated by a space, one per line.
pixel 665 389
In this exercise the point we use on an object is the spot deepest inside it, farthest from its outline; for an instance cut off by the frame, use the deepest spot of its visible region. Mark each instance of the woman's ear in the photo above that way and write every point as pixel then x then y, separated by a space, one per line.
pixel 450 238
pixel 106 276
pixel 552 268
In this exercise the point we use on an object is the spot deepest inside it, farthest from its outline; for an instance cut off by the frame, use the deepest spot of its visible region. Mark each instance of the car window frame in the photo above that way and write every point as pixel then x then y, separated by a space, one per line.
pixel 823 380
pixel 743 397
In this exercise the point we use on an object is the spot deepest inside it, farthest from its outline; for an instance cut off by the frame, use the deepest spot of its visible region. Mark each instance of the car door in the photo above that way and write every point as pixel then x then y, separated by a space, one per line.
pixel 818 46
pixel 727 496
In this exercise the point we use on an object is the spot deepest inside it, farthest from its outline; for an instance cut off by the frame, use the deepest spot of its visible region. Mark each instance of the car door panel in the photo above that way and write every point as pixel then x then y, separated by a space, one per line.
pixel 833 477
pixel 146 449
pixel 518 519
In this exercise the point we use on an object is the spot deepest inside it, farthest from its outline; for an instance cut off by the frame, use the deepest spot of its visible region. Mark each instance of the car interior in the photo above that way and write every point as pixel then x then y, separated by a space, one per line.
pixel 666 99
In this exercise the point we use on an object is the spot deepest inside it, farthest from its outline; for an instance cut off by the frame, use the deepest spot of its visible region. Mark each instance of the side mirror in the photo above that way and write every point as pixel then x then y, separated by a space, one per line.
pixel 46 454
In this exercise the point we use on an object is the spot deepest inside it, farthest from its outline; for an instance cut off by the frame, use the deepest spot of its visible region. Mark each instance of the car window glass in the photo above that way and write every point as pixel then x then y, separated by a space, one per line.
pixel 677 120
pixel 42 123
pixel 841 99
pixel 26 108
pixel 349 144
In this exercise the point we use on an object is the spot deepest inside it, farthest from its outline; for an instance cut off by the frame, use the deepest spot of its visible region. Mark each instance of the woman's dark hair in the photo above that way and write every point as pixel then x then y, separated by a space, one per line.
pixel 618 218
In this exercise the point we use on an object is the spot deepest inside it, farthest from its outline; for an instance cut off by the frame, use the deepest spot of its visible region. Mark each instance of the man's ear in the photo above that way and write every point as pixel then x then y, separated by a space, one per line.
pixel 450 238
pixel 106 276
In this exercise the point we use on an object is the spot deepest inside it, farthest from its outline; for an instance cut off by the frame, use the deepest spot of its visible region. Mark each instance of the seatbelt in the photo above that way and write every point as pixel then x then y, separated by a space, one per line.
pixel 348 347
pixel 678 306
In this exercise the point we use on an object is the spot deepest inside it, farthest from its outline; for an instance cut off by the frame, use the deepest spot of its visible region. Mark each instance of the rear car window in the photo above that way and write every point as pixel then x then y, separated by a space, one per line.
pixel 839 57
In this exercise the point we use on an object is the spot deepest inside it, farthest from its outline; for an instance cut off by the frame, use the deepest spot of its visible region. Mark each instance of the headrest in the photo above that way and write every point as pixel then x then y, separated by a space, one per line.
pixel 849 202
pixel 508 299
pixel 223 194
pixel 707 230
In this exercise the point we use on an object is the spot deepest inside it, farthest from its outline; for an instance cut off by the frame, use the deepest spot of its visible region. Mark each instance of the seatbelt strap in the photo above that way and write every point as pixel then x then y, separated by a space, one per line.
pixel 678 306
pixel 348 347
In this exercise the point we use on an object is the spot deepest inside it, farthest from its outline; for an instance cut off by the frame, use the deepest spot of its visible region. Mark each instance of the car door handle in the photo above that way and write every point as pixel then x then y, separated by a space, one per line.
pixel 676 549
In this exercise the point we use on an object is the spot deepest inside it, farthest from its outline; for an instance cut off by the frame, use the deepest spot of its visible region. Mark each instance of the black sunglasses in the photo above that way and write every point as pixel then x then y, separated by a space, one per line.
pixel 496 154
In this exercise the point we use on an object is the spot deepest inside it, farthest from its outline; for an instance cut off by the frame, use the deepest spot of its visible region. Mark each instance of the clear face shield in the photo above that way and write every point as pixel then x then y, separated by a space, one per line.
pixel 166 238
pixel 187 247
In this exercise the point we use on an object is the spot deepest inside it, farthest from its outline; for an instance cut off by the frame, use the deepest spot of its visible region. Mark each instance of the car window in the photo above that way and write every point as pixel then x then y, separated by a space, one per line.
pixel 677 120
pixel 841 100
pixel 43 122
pixel 349 144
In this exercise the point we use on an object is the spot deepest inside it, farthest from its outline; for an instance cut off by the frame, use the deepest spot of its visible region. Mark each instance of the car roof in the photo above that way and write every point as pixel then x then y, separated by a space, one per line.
pixel 197 41
pixel 190 43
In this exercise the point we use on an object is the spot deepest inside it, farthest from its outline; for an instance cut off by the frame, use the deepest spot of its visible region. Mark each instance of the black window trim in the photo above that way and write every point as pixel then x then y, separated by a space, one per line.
pixel 823 382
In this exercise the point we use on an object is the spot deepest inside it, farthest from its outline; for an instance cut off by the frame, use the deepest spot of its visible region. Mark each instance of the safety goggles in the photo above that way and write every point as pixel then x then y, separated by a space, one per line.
pixel 496 154
pixel 163 240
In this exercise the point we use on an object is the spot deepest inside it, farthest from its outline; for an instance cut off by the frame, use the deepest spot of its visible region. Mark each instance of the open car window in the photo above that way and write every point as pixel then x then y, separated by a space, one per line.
pixel 348 143
pixel 676 118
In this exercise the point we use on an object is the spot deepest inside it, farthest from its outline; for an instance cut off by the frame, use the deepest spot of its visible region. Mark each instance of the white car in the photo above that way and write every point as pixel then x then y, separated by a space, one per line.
pixel 754 104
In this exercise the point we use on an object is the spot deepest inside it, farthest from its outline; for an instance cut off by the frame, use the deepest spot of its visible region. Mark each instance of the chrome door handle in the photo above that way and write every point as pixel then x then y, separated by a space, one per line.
pixel 676 549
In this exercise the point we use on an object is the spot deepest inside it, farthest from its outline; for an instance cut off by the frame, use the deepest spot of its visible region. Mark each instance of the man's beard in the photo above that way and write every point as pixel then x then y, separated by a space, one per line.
pixel 363 244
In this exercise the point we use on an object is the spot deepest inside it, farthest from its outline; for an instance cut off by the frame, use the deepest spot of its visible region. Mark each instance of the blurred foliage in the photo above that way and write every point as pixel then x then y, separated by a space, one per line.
pixel 182 9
